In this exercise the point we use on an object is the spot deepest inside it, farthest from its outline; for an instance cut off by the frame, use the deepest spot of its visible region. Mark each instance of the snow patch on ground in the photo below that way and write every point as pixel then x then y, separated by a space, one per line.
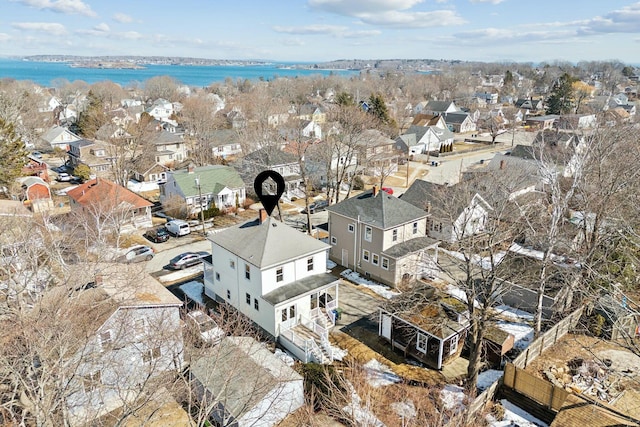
pixel 514 416
pixel 379 289
pixel 285 357
pixel 138 187
pixel 361 415
pixel 513 313
pixel 379 374
pixel 522 333
pixel 458 293
pixel 182 274
pixel 453 398
pixel 484 263
pixel 405 410
pixel 193 290
pixel 338 353
pixel 330 264
pixel 486 378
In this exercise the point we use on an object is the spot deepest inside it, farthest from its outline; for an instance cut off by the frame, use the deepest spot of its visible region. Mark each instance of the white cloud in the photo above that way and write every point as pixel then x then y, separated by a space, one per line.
pixel 122 18
pixel 128 35
pixel 42 27
pixel 311 29
pixel 102 27
pixel 68 7
pixel 392 13
pixel 625 20
pixel 497 36
pixel 326 30
pixel 487 1
pixel 4 37
pixel 358 7
pixel 438 18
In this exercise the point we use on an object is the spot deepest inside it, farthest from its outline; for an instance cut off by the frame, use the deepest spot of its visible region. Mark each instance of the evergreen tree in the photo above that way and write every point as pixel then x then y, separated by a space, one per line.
pixel 13 154
pixel 93 117
pixel 561 99
pixel 378 108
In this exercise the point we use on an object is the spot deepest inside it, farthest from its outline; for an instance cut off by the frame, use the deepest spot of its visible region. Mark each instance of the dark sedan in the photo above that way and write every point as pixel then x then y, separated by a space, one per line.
pixel 157 235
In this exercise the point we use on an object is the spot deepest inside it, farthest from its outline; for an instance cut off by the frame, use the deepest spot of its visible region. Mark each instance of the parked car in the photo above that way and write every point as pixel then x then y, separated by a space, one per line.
pixel 318 206
pixel 60 169
pixel 187 259
pixel 138 253
pixel 37 155
pixel 205 328
pixel 388 190
pixel 157 235
pixel 64 177
pixel 178 227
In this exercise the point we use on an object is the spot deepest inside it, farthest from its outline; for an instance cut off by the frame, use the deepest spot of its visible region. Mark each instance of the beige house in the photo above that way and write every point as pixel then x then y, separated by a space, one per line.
pixel 382 238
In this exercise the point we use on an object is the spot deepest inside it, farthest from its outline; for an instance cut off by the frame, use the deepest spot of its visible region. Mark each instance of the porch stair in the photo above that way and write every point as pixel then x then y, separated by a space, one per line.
pixel 324 320
pixel 318 352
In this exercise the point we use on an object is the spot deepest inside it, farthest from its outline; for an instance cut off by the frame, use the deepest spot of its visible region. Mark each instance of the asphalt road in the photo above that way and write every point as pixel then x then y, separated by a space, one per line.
pixel 175 246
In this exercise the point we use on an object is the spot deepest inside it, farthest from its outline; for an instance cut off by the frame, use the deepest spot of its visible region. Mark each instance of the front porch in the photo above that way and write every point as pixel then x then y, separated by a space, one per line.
pixel 304 325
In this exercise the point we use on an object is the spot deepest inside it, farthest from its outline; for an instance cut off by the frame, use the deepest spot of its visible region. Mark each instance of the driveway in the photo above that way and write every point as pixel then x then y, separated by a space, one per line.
pixel 173 247
pixel 355 304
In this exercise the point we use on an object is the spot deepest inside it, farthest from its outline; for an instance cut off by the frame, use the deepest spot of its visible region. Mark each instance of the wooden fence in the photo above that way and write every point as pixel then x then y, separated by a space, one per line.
pixel 548 339
pixel 542 391
pixel 543 342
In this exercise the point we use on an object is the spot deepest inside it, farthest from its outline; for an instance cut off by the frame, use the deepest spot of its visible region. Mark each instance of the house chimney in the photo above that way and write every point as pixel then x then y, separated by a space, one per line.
pixel 502 164
pixel 263 215
pixel 190 168
pixel 375 190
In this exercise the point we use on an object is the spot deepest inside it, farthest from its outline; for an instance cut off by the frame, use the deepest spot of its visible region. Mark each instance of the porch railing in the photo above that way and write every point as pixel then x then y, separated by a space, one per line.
pixel 326 345
pixel 309 346
pixel 314 326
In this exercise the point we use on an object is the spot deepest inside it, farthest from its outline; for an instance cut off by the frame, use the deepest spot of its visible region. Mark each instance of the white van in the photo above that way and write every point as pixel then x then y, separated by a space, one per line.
pixel 178 227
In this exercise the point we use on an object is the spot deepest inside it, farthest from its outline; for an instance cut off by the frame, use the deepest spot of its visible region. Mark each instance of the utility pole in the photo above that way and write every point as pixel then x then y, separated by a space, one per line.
pixel 408 157
pixel 200 202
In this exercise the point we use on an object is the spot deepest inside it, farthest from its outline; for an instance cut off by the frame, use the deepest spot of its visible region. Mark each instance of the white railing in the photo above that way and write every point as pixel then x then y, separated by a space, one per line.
pixel 288 324
pixel 314 348
pixel 314 326
pixel 327 347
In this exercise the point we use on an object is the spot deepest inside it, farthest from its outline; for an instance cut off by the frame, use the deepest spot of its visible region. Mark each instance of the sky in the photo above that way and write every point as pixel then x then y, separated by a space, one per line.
pixel 324 30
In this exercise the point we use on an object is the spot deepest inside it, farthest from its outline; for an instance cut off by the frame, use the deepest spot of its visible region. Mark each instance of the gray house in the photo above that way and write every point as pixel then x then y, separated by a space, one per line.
pixel 382 238
pixel 241 383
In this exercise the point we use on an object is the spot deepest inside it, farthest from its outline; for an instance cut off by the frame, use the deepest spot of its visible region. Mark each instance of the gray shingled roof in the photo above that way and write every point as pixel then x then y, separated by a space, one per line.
pixel 418 131
pixel 420 192
pixel 241 372
pixel 268 244
pixel 410 246
pixel 440 106
pixel 383 211
pixel 456 117
pixel 270 157
pixel 300 287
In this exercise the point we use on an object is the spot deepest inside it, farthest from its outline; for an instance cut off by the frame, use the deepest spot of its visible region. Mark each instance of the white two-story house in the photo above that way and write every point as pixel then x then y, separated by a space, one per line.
pixel 277 277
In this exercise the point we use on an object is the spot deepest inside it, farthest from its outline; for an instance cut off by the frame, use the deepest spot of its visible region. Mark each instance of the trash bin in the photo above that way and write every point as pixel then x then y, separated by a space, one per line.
pixel 337 313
